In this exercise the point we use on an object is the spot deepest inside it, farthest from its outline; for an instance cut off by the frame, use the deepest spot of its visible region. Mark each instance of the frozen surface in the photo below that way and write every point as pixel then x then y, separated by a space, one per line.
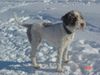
pixel 15 48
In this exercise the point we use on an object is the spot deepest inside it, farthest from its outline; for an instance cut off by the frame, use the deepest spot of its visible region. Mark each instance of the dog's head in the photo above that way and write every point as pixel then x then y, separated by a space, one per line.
pixel 74 19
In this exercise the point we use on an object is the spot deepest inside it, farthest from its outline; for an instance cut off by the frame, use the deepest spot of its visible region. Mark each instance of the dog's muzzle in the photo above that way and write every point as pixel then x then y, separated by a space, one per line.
pixel 82 25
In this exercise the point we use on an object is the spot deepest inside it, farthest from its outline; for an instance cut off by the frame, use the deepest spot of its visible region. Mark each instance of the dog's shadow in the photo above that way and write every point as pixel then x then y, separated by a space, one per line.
pixel 26 66
pixel 16 66
pixel 22 66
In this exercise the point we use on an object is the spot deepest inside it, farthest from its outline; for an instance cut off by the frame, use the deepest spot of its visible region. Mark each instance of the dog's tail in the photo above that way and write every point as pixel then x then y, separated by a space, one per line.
pixel 19 23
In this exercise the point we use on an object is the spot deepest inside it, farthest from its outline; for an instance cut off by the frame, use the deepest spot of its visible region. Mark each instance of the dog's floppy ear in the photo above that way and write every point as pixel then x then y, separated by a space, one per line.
pixel 69 18
pixel 65 19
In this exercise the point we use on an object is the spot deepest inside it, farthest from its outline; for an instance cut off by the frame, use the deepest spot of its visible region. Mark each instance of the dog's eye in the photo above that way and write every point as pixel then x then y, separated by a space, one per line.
pixel 74 18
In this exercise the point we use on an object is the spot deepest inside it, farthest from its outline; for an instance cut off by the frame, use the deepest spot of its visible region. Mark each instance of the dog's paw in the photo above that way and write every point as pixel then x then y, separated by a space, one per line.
pixel 37 66
pixel 60 70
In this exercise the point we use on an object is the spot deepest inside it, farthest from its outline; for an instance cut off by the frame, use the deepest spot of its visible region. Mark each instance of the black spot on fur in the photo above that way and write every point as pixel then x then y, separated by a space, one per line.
pixel 28 26
pixel 47 24
pixel 29 34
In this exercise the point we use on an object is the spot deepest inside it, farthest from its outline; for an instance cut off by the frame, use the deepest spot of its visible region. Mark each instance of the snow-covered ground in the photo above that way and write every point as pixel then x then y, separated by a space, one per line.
pixel 15 48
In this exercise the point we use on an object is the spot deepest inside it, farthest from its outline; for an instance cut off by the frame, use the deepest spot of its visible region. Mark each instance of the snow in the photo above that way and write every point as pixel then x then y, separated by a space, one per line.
pixel 15 48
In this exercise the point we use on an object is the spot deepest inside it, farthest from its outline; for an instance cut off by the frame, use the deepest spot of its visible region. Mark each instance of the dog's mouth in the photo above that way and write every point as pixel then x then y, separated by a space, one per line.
pixel 82 25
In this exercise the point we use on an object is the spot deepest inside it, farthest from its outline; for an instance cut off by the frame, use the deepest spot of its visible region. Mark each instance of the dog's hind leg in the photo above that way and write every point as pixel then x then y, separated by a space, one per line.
pixel 36 39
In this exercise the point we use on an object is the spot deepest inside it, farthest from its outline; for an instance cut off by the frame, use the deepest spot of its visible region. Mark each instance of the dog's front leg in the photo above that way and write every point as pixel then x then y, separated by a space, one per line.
pixel 65 56
pixel 59 59
pixel 62 52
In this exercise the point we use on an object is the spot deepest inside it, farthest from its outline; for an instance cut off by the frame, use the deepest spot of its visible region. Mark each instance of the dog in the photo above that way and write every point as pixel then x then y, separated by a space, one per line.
pixel 60 35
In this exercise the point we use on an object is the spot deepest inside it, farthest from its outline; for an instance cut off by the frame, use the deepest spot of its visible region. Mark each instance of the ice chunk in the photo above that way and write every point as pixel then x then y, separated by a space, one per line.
pixel 91 51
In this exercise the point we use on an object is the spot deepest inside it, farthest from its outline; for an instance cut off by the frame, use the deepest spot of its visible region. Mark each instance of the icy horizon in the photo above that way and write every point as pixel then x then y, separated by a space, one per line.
pixel 54 1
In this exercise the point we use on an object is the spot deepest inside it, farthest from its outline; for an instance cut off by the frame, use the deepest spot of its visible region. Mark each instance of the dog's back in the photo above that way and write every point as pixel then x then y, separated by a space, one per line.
pixel 47 31
pixel 51 32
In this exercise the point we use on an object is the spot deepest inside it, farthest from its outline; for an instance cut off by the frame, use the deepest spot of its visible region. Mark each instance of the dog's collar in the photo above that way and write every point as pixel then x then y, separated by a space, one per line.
pixel 66 29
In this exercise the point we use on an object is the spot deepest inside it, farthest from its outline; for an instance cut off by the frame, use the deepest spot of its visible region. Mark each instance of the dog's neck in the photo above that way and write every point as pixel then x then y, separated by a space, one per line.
pixel 68 31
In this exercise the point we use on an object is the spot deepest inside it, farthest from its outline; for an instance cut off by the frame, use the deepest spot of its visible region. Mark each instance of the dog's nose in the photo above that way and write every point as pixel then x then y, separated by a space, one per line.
pixel 82 24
